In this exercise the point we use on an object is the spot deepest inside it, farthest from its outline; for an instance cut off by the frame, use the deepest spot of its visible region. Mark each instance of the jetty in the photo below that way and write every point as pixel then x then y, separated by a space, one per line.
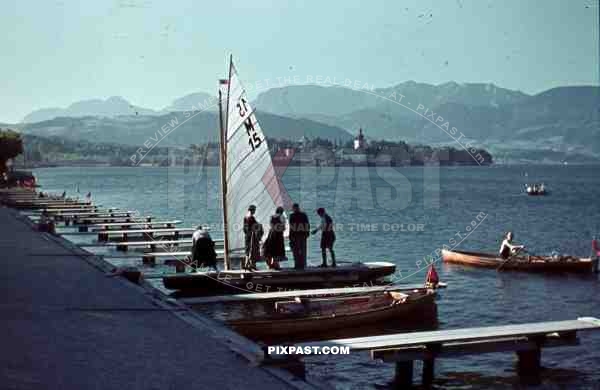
pixel 69 326
pixel 402 349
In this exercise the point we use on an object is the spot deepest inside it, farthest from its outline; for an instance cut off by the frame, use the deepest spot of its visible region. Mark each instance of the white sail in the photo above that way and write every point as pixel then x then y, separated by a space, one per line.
pixel 250 175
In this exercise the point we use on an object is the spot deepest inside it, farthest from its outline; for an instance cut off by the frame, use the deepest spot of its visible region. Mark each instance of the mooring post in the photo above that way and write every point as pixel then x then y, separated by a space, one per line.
pixel 403 378
pixel 179 266
pixel 428 372
pixel 149 236
pixel 149 260
pixel 529 366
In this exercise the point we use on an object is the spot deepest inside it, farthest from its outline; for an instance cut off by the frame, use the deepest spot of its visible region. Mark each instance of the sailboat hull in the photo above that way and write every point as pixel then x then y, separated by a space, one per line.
pixel 272 281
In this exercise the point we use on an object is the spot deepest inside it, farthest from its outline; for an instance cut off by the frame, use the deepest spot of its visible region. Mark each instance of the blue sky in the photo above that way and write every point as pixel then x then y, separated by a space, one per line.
pixel 150 52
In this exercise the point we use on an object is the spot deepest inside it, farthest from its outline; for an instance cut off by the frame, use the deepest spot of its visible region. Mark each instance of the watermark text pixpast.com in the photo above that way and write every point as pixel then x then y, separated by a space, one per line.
pixel 307 350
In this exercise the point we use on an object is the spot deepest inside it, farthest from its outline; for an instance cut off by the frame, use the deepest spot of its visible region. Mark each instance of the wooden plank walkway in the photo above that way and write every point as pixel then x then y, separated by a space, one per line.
pixel 98 214
pixel 526 340
pixel 67 209
pixel 130 231
pixel 403 340
pixel 144 243
pixel 88 220
pixel 139 223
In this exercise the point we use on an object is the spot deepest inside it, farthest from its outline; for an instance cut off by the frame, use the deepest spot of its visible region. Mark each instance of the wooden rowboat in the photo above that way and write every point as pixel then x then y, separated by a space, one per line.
pixel 305 316
pixel 550 264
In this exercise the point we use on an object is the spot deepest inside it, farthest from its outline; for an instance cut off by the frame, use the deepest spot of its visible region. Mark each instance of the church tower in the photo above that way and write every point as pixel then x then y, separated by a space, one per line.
pixel 359 141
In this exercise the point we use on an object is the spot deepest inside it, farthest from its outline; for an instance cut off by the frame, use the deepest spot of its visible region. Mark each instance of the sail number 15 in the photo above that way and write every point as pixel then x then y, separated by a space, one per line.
pixel 253 138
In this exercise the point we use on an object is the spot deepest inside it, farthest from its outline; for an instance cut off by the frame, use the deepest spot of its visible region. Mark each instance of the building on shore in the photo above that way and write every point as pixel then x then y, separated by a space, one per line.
pixel 357 154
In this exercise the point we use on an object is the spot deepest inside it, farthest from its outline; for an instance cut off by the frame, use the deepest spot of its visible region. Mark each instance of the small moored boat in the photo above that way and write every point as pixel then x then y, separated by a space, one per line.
pixel 531 263
pixel 307 316
pixel 535 189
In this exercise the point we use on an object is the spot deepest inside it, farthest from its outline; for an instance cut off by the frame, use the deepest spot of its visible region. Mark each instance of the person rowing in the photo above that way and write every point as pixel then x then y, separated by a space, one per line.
pixel 508 249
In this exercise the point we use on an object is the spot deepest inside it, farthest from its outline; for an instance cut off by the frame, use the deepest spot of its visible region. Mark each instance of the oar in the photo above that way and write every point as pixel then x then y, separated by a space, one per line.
pixel 510 258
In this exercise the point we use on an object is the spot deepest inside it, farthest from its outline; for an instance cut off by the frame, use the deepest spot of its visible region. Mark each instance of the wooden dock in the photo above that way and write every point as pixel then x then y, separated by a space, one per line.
pixel 526 340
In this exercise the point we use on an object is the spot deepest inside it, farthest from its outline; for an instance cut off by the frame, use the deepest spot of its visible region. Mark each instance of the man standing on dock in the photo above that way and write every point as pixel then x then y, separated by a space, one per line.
pixel 327 236
pixel 299 232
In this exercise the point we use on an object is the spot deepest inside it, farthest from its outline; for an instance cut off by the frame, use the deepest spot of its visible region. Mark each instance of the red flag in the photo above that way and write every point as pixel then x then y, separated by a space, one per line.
pixel 432 277
pixel 223 81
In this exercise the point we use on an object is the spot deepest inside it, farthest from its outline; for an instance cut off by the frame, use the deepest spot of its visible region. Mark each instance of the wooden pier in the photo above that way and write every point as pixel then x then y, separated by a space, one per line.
pixel 526 340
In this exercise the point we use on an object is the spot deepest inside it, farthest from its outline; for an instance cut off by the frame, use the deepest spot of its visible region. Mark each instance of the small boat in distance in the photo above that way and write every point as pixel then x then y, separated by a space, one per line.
pixel 535 189
pixel 530 263
pixel 317 316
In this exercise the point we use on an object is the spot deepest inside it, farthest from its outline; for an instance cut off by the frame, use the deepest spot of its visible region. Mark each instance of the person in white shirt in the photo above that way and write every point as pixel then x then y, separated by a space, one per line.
pixel 507 248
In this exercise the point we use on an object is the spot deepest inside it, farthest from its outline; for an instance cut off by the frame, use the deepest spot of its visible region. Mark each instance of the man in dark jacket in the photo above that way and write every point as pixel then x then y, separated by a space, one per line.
pixel 299 232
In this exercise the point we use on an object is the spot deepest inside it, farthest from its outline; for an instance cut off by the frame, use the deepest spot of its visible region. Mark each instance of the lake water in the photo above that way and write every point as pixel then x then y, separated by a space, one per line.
pixel 403 219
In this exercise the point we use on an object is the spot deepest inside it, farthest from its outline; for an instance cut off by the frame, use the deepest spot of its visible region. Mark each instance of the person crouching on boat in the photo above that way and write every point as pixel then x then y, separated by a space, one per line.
pixel 203 250
pixel 253 232
pixel 508 249
pixel 274 246
pixel 327 236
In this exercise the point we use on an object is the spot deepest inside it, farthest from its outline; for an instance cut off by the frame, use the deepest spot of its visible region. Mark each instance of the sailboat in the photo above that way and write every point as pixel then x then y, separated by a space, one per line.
pixel 248 177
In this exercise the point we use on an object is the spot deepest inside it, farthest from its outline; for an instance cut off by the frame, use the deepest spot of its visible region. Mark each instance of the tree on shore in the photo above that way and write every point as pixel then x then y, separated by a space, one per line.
pixel 11 145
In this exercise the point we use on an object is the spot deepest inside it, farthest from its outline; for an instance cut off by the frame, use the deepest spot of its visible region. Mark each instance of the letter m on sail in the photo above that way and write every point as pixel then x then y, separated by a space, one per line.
pixel 249 125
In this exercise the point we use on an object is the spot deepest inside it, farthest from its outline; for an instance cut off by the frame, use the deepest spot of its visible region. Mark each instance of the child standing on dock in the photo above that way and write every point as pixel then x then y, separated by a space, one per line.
pixel 327 236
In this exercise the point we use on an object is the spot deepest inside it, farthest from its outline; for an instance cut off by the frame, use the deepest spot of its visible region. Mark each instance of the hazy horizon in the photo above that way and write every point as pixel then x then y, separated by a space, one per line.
pixel 151 53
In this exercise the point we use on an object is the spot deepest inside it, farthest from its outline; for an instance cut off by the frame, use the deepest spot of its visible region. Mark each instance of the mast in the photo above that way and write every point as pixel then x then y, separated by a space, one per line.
pixel 223 155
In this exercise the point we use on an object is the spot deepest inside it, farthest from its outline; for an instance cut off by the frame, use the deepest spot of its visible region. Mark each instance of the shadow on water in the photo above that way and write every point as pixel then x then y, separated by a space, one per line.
pixel 551 378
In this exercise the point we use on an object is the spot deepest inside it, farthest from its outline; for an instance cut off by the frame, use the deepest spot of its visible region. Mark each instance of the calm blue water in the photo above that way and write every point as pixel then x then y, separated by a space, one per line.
pixel 442 202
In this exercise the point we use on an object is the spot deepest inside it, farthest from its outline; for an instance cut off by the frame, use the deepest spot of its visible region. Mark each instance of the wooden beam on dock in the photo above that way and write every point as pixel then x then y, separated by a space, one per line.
pixel 156 243
pixel 132 231
pixel 135 223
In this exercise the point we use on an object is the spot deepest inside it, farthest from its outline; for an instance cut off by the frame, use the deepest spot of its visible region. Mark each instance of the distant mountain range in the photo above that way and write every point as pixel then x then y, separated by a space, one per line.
pixel 558 124
pixel 183 131
pixel 561 123
pixel 113 107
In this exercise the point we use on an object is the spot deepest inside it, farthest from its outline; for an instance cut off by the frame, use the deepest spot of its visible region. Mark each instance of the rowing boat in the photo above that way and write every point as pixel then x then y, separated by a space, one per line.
pixel 306 316
pixel 530 263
